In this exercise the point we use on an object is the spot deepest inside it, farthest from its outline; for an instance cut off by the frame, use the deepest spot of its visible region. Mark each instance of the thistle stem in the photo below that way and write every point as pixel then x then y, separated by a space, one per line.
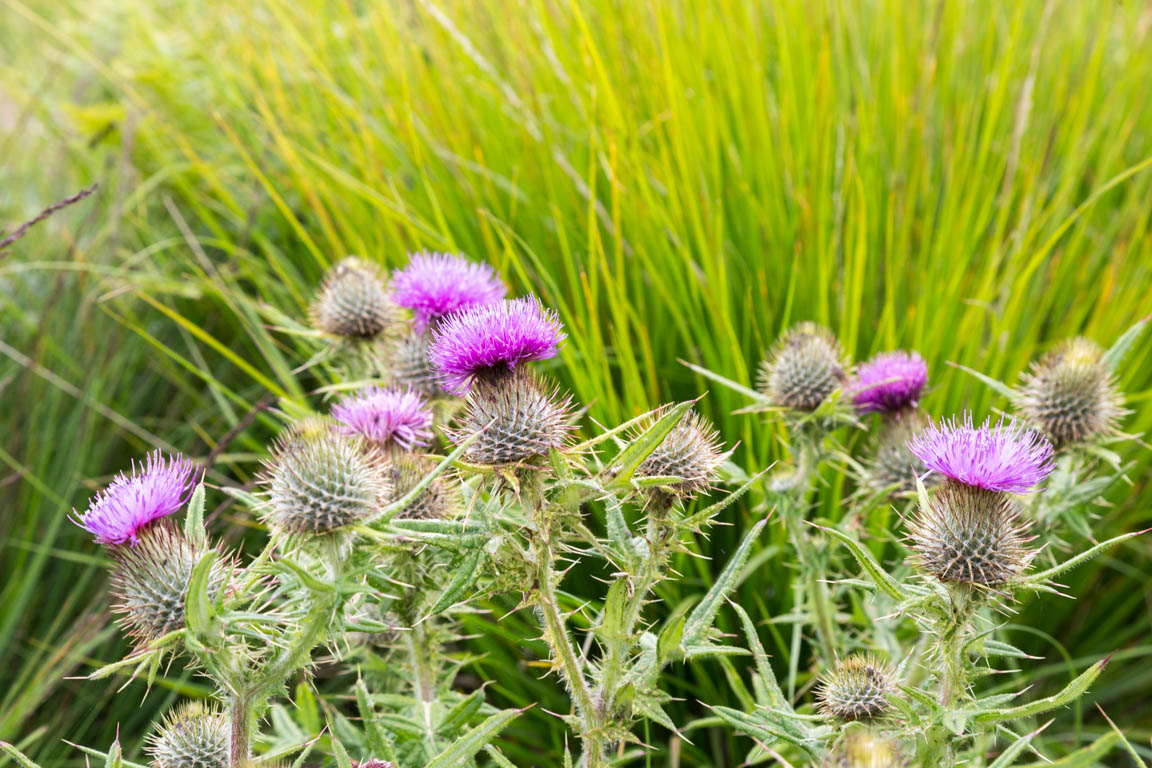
pixel 423 678
pixel 240 740
pixel 556 632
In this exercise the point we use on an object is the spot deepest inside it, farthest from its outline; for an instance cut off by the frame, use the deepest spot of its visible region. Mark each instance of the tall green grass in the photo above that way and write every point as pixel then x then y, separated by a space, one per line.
pixel 680 180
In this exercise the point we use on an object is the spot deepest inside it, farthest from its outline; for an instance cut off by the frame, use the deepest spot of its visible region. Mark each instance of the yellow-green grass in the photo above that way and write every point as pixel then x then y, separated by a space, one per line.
pixel 681 180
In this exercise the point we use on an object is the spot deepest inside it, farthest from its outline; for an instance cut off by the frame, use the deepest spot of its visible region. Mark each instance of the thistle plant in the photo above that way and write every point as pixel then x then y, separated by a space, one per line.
pixel 891 385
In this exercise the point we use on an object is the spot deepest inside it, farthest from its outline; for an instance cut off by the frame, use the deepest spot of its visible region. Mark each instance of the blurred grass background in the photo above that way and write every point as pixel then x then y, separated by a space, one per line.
pixel 680 180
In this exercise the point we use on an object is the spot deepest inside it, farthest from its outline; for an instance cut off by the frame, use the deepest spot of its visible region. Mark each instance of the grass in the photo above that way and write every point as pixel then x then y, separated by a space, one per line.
pixel 680 180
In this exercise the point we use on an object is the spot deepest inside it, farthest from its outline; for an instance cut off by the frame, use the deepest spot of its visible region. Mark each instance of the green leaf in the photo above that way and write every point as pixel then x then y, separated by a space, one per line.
pixel 883 580
pixel 999 386
pixel 498 757
pixel 194 519
pixel 374 735
pixel 702 616
pixel 199 612
pixel 1071 692
pixel 463 581
pixel 733 385
pixel 461 713
pixel 1015 748
pixel 1119 350
pixel 463 749
pixel 776 697
pixel 1083 757
pixel 625 464
pixel 21 759
pixel 1080 559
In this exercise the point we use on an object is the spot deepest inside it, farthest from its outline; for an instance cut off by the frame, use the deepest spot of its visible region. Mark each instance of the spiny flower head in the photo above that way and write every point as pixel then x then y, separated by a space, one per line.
pixel 408 364
pixel 515 418
pixel 890 465
pixel 804 368
pixel 322 482
pixel 970 535
pixel 150 581
pixel 691 451
pixel 1005 457
pixel 353 301
pixel 890 381
pixel 856 689
pixel 436 284
pixel 153 489
pixel 1070 394
pixel 392 417
pixel 437 500
pixel 192 736
pixel 491 339
pixel 862 748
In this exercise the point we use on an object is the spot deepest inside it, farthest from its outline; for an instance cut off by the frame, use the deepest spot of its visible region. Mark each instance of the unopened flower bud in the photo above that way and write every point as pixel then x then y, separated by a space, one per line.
pixel 193 736
pixel 691 451
pixel 353 302
pixel 803 369
pixel 856 689
pixel 1070 395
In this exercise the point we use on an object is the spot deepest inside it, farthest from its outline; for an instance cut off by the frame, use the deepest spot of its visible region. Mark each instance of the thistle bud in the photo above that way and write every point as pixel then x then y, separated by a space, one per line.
pixel 437 500
pixel 193 736
pixel 150 581
pixel 970 535
pixel 856 689
pixel 516 417
pixel 691 451
pixel 322 482
pixel 862 748
pixel 409 367
pixel 890 464
pixel 353 302
pixel 1070 395
pixel 805 367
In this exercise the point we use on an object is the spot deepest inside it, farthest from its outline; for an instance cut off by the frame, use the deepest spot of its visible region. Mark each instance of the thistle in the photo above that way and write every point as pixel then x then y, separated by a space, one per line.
pixel 438 500
pixel 156 488
pixel 353 302
pixel 151 579
pixel 888 383
pixel 1006 457
pixel 323 482
pixel 803 369
pixel 856 689
pixel 691 452
pixel 393 419
pixel 863 748
pixel 890 465
pixel 434 285
pixel 192 736
pixel 408 364
pixel 971 536
pixel 515 417
pixel 1070 394
pixel 488 341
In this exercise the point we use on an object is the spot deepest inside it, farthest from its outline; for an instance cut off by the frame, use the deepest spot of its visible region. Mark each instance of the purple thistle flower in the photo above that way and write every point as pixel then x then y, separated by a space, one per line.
pixel 492 338
pixel 386 416
pixel 156 488
pixel 436 284
pixel 888 382
pixel 1006 457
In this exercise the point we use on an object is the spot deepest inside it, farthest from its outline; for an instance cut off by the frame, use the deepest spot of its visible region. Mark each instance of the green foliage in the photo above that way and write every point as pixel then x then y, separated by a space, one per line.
pixel 680 180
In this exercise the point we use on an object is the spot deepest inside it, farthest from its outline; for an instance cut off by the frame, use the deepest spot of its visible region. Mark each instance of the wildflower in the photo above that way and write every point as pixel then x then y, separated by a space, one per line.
pixel 436 284
pixel 408 365
pixel 491 339
pixel 515 417
pixel 353 302
pixel 1005 457
pixel 889 382
pixel 862 748
pixel 150 582
pixel 890 465
pixel 691 452
pixel 1070 394
pixel 156 488
pixel 388 418
pixel 856 689
pixel 804 368
pixel 970 535
pixel 193 736
pixel 320 483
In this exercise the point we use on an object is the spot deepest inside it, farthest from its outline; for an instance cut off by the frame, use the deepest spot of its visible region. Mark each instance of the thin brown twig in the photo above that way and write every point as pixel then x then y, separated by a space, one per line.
pixel 22 230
